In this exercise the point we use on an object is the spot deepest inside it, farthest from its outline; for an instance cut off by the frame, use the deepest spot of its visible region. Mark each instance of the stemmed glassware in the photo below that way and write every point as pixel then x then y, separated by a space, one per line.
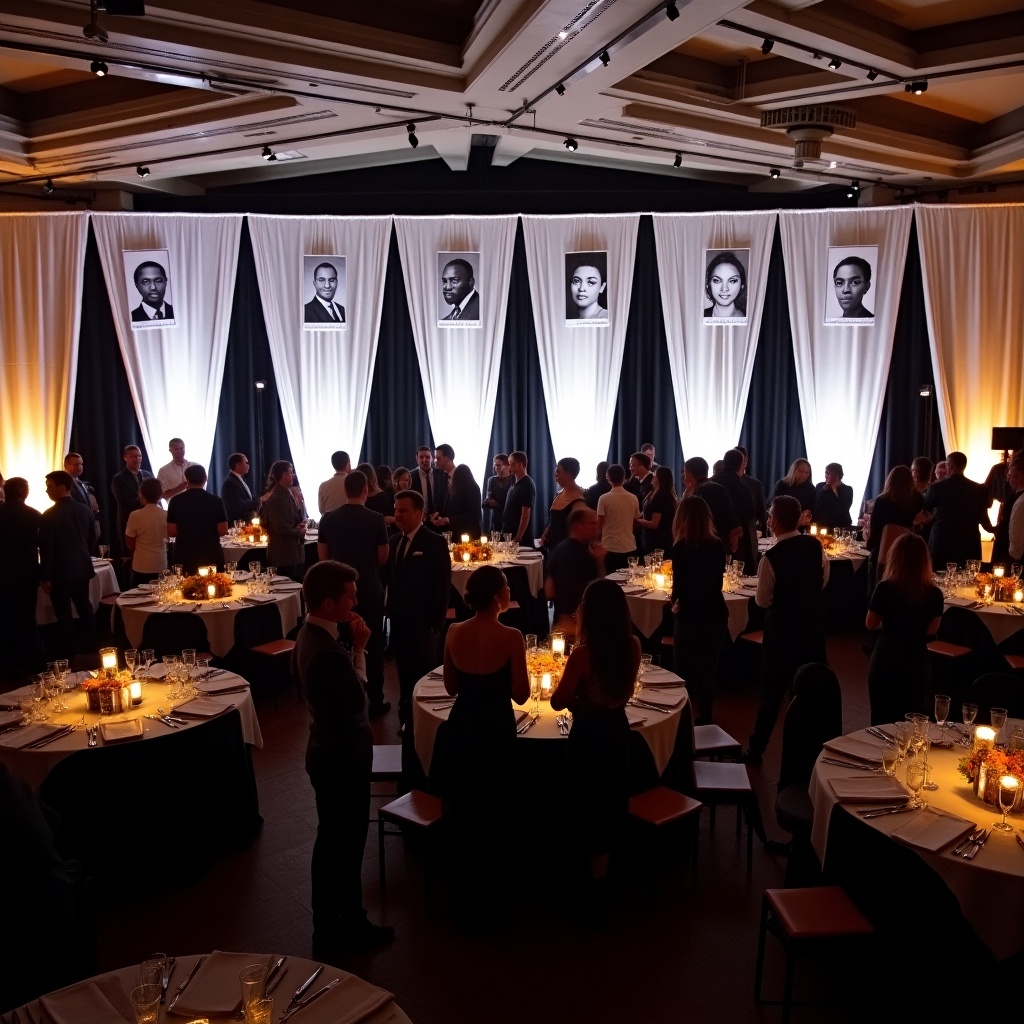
pixel 929 783
pixel 942 703
pixel 997 719
pixel 131 659
pixel 1009 787
pixel 890 758
pixel 902 733
pixel 915 780
pixel 535 695
pixel 147 657
pixel 969 713
pixel 188 664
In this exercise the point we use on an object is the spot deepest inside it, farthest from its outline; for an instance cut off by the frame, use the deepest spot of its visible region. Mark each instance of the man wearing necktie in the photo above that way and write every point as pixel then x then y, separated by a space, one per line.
pixel 322 309
pixel 151 281
pixel 82 491
pixel 458 288
pixel 239 502
pixel 125 488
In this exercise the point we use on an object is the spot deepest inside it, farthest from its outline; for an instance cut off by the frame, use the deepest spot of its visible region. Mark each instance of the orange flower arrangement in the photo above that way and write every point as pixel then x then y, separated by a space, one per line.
pixel 251 533
pixel 477 552
pixel 540 661
pixel 194 588
pixel 997 762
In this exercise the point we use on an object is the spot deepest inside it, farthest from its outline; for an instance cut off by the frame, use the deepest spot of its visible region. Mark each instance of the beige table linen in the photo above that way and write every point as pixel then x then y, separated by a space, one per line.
pixel 103 584
pixel 999 618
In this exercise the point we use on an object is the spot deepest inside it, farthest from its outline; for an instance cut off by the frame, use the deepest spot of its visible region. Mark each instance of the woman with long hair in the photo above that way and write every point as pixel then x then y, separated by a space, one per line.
pixel 588 283
pixel 377 499
pixel 725 284
pixel 569 496
pixel 596 685
pixel 658 511
pixel 899 504
pixel 700 617
pixel 462 512
pixel 906 606
pixel 284 522
pixel 797 483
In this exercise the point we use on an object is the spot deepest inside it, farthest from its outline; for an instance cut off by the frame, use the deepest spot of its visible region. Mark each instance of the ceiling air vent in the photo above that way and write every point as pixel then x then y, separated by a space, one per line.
pixel 808 127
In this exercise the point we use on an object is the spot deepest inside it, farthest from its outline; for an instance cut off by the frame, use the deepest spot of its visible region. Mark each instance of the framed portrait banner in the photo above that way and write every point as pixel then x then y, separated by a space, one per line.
pixel 586 289
pixel 324 293
pixel 147 279
pixel 848 299
pixel 458 289
pixel 724 293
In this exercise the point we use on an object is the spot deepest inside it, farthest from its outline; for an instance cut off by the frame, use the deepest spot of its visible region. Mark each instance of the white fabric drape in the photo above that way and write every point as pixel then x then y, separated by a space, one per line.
pixel 711 364
pixel 580 365
pixel 458 365
pixel 971 259
pixel 841 370
pixel 323 377
pixel 41 258
pixel 175 373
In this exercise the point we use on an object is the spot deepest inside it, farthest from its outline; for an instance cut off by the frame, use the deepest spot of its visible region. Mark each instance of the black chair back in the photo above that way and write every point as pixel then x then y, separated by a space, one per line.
pixel 814 716
pixel 962 626
pixel 174 632
pixel 998 690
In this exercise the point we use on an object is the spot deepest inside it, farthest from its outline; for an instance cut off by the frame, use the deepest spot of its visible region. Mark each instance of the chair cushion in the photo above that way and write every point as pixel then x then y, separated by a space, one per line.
pixel 713 739
pixel 793 809
pixel 755 637
pixel 721 778
pixel 947 650
pixel 1015 661
pixel 275 648
pixel 414 808
pixel 660 805
pixel 817 913
pixel 387 761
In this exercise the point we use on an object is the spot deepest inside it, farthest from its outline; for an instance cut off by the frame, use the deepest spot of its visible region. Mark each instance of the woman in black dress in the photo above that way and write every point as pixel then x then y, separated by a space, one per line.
pixel 462 512
pixel 700 616
pixel 797 483
pixel 899 504
pixel 570 495
pixel 595 686
pixel 658 512
pixel 906 606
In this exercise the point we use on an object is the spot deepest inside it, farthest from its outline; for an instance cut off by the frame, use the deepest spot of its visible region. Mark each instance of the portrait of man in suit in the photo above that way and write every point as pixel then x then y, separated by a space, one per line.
pixel 849 284
pixel 325 311
pixel 458 300
pixel 146 273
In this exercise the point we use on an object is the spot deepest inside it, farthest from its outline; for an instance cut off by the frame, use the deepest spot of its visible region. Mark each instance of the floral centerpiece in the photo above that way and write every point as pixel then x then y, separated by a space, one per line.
pixel 828 540
pixel 985 766
pixel 197 588
pixel 477 550
pixel 542 663
pixel 109 694
pixel 251 533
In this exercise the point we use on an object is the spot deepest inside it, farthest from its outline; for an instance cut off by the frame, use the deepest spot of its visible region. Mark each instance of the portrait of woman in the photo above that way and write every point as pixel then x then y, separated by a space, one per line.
pixel 725 284
pixel 586 280
pixel 849 285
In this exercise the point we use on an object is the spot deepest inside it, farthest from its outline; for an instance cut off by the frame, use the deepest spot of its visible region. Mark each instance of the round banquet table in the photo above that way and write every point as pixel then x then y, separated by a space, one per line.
pixel 988 888
pixel 999 618
pixel 103 584
pixel 218 615
pixel 657 728
pixel 532 564
pixel 105 999
pixel 243 552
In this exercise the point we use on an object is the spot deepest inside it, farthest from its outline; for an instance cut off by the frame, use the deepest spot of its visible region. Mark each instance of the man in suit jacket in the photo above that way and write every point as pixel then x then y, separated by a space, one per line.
pixel 65 565
pixel 322 309
pixel 960 506
pixel 432 484
pixel 756 489
pixel 419 578
pixel 743 503
pixel 339 757
pixel 239 501
pixel 151 281
pixel 82 491
pixel 125 488
pixel 458 288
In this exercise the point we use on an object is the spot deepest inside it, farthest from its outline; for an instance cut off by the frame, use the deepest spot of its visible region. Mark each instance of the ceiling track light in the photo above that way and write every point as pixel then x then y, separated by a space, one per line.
pixel 775 172
pixel 917 87
pixel 411 129
pixel 835 63
pixel 48 186
pixel 766 46
pixel 872 75
pixel 141 171
pixel 98 68
pixel 560 89
pixel 671 10
pixel 268 154
pixel 855 186
pixel 571 144
pixel 678 162
pixel 604 58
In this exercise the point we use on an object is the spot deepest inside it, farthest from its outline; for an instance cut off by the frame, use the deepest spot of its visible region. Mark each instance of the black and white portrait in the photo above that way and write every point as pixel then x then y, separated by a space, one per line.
pixel 323 293
pixel 458 294
pixel 724 297
pixel 586 289
pixel 147 284
pixel 848 291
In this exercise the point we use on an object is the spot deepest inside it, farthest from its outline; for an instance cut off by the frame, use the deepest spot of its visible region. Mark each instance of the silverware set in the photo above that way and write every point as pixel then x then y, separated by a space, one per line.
pixel 564 722
pixel 878 733
pixel 636 702
pixel 526 726
pixel 879 812
pixel 969 848
pixel 850 764
pixel 291 1010
pixel 94 735
pixel 184 984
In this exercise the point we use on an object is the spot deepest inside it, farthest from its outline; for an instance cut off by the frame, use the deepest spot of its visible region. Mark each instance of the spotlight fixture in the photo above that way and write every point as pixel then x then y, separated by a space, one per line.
pixel 563 34
pixel 48 186
pixel 260 384
pixel 835 63
pixel 851 192
pixel 872 75
pixel 855 185
pixel 678 162
pixel 142 172
pixel 560 89
pixel 571 144
pixel 766 46
pixel 775 172
pixel 268 153
pixel 671 10
pixel 411 129
pixel 98 68
pixel 604 58
pixel 917 87
pixel 816 55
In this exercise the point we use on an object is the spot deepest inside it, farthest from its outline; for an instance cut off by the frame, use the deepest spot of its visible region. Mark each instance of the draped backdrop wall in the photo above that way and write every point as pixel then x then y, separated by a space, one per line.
pixel 534 382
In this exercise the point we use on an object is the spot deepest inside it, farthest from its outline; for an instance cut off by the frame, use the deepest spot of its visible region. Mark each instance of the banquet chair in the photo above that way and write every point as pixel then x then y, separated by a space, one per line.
pixel 259 651
pixel 1012 652
pixel 174 632
pixel 415 812
pixel 998 690
pixel 954 669
pixel 661 812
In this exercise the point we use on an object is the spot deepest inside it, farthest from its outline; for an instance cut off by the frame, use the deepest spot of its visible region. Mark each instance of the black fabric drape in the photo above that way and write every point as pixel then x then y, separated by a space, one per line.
pixel 645 409
pixel 910 422
pixel 247 361
pixel 103 421
pixel 773 431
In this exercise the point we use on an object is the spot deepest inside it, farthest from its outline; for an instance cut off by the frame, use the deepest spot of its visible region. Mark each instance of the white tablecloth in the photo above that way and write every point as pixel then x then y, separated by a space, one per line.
pixel 647 609
pixel 999 619
pixel 659 730
pixel 218 616
pixel 35 765
pixel 857 557
pixel 101 585
pixel 533 564
pixel 236 550
pixel 989 888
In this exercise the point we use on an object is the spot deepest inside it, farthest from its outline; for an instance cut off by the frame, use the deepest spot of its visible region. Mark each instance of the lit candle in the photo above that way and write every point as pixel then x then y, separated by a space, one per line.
pixel 984 736
pixel 211 590
pixel 204 570
pixel 484 540
pixel 659 580
pixel 557 644
pixel 1009 782
pixel 814 530
pixel 255 520
pixel 1018 595
pixel 135 689
pixel 545 686
pixel 263 538
pixel 465 556
pixel 465 538
pixel 108 660
pixel 824 530
pixel 999 571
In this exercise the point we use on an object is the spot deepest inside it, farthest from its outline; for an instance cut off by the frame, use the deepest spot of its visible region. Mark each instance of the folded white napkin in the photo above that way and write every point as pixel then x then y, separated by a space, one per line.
pixel 932 831
pixel 156 671
pixel 114 732
pixel 93 1002
pixel 215 989
pixel 135 592
pixel 661 675
pixel 961 602
pixel 261 598
pixel 19 738
pixel 664 697
pixel 868 789
pixel 200 708
pixel 631 588
pixel 137 599
pixel 635 716
pixel 867 749
pixel 9 718
pixel 221 684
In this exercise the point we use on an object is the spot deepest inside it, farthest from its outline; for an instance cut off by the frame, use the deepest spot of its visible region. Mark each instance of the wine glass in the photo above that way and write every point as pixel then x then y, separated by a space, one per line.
pixel 147 656
pixel 969 713
pixel 997 719
pixel 890 758
pixel 926 745
pixel 915 780
pixel 902 733
pixel 535 695
pixel 255 568
pixel 942 703
pixel 131 659
pixel 1009 787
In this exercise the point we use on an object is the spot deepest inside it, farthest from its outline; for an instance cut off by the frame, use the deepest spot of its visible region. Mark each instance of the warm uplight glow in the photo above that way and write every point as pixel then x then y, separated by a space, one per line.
pixel 211 590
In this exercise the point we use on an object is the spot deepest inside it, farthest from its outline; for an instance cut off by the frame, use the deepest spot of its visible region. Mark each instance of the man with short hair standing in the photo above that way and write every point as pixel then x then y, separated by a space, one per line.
pixel 960 506
pixel 522 496
pixel 172 475
pixel 357 536
pixel 430 482
pixel 239 501
pixel 444 460
pixel 19 570
pixel 196 521
pixel 495 493
pixel 574 563
pixel 743 505
pixel 617 513
pixel 82 491
pixel 125 488
pixel 332 491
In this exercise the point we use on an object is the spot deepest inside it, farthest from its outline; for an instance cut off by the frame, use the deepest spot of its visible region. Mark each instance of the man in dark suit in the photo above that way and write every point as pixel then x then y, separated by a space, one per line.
pixel 19 570
pixel 723 511
pixel 196 521
pixel 82 491
pixel 756 489
pixel 959 506
pixel 239 501
pixel 151 280
pixel 729 478
pixel 458 287
pixel 432 484
pixel 65 565
pixel 339 758
pixel 125 488
pixel 322 309
pixel 419 578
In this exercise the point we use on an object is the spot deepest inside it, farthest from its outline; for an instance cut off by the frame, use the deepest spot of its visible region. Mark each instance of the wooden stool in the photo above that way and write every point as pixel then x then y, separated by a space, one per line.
pixel 714 742
pixel 800 918
pixel 661 808
pixel 414 810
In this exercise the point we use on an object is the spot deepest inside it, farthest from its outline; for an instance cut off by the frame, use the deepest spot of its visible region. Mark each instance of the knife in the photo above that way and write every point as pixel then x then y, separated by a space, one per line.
pixel 305 1002
pixel 527 726
pixel 651 707
pixel 879 810
pixel 890 810
pixel 978 844
pixel 849 764
pixel 63 731
pixel 964 843
pixel 1020 842
pixel 276 974
pixel 165 978
pixel 184 984
pixel 301 990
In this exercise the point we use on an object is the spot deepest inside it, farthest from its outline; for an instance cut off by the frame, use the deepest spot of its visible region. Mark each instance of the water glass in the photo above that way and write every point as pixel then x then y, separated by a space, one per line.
pixel 131 659
pixel 146 1004
pixel 997 719
pixel 969 712
pixel 260 1011
pixel 531 641
pixel 271 572
pixel 147 657
pixel 152 969
pixel 890 757
pixel 645 664
pixel 103 550
pixel 253 980
pixel 255 568
pixel 230 568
